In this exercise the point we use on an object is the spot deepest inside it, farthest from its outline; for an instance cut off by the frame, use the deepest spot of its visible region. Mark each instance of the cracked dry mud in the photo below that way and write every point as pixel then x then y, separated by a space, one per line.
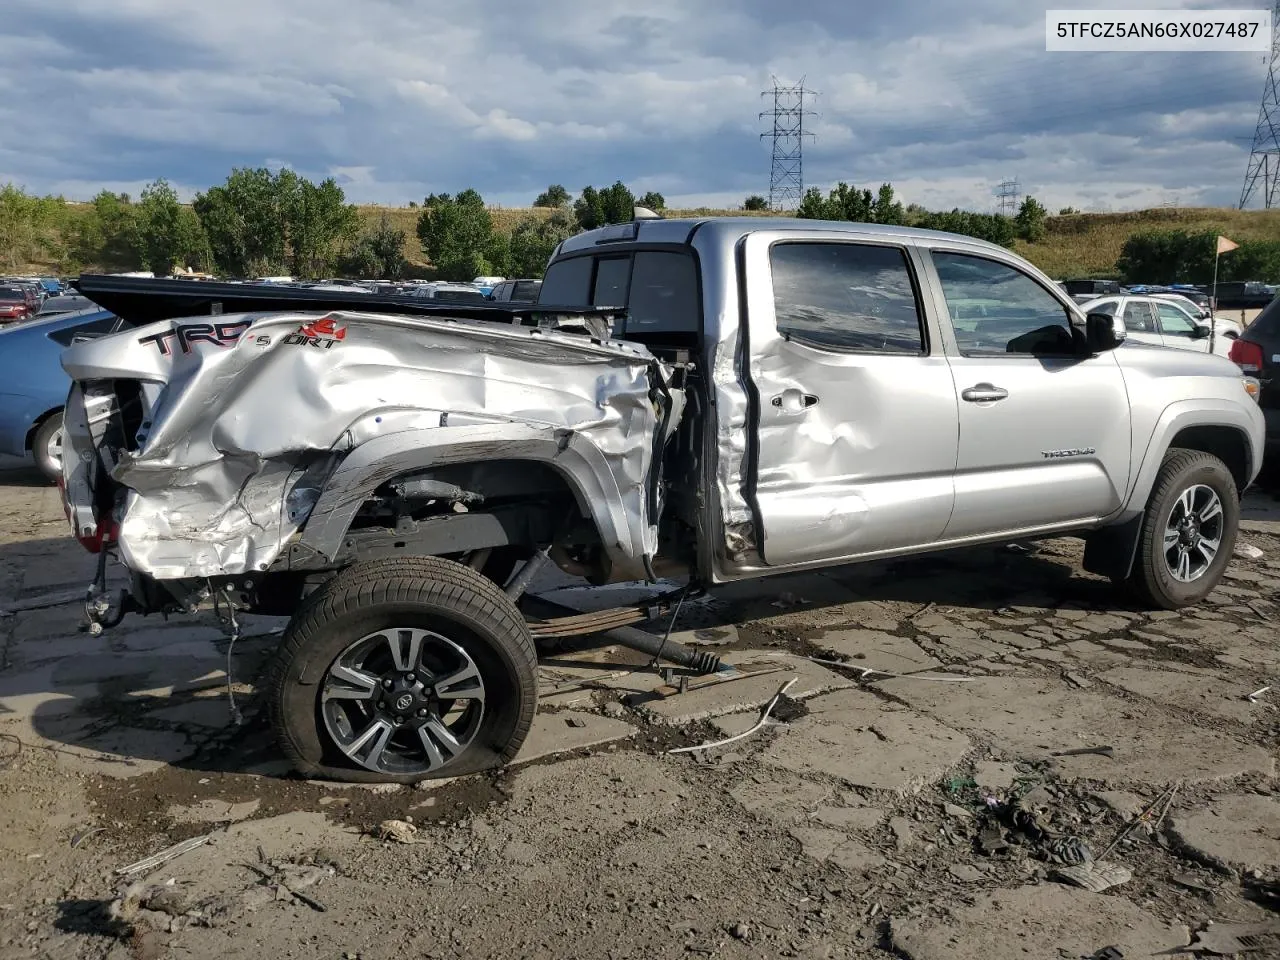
pixel 855 826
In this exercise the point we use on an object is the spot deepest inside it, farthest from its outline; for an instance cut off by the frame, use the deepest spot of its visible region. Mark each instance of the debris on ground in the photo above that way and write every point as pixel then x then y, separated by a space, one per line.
pixel 1248 551
pixel 760 724
pixel 400 831
pixel 1094 875
pixel 1228 939
pixel 165 855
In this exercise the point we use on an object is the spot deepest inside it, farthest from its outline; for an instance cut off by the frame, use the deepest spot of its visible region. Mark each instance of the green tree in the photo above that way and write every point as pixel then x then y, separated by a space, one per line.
pixel 258 222
pixel 318 223
pixel 378 254
pixel 167 234
pixel 244 222
pixel 755 202
pixel 813 206
pixel 653 201
pixel 595 208
pixel 886 209
pixel 984 226
pixel 554 196
pixel 589 209
pixel 104 235
pixel 533 241
pixel 1029 222
pixel 29 227
pixel 457 235
pixel 1067 211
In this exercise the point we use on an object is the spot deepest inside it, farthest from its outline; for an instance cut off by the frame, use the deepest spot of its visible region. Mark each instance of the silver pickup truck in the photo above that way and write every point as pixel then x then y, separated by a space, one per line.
pixel 715 399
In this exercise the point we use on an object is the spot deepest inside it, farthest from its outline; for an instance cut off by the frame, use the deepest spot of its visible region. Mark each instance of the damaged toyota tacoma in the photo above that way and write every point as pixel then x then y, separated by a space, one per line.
pixel 715 399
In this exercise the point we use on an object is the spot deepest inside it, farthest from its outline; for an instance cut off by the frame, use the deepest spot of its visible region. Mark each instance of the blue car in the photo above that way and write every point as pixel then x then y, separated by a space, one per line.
pixel 33 385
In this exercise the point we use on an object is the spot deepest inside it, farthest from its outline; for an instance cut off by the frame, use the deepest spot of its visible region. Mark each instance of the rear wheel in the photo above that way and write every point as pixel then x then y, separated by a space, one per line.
pixel 46 446
pixel 402 670
pixel 1189 531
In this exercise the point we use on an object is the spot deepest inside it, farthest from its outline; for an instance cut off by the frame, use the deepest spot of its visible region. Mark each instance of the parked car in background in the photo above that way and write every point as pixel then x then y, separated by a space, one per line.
pixel 70 303
pixel 451 293
pixel 33 385
pixel 486 284
pixel 1096 288
pixel 1257 351
pixel 516 291
pixel 15 305
pixel 1153 320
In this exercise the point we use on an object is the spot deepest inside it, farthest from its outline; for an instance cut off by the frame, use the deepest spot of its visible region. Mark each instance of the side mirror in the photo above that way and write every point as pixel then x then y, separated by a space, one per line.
pixel 1200 331
pixel 1102 332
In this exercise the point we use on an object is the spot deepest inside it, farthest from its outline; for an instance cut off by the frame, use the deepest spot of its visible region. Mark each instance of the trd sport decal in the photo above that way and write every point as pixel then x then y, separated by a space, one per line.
pixel 219 334
pixel 324 333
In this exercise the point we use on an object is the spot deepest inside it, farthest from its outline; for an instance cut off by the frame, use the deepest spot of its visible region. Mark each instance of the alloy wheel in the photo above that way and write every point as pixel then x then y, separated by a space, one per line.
pixel 403 700
pixel 1193 533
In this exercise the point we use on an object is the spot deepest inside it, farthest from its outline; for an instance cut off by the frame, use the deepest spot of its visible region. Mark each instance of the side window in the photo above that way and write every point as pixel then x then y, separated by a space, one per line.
pixel 1174 322
pixel 567 283
pixel 996 309
pixel 612 276
pixel 1138 318
pixel 1106 306
pixel 523 290
pixel 846 296
pixel 664 294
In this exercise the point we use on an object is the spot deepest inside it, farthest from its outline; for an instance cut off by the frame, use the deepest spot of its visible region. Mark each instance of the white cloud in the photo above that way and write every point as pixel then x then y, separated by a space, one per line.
pixel 398 98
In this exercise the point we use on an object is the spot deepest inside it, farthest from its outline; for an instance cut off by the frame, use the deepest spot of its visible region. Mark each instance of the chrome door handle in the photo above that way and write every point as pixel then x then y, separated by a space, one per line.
pixel 982 392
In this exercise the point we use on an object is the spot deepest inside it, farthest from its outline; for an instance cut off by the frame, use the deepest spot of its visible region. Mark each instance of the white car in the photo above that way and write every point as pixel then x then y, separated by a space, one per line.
pixel 1164 322
pixel 1224 327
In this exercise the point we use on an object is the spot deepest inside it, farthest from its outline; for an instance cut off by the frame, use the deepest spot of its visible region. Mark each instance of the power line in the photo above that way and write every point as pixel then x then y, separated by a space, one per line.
pixel 786 172
pixel 1008 197
pixel 1264 159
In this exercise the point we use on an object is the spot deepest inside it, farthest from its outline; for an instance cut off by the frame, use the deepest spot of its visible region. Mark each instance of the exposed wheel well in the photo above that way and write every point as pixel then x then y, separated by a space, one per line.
pixel 1226 443
pixel 37 424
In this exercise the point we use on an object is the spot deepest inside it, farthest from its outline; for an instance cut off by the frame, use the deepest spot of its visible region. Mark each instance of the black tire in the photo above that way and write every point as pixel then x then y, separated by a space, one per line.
pixel 41 446
pixel 1152 580
pixel 425 592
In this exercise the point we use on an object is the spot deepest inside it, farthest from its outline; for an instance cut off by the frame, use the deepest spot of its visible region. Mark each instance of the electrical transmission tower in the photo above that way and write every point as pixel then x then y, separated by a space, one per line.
pixel 1264 160
pixel 786 175
pixel 1008 197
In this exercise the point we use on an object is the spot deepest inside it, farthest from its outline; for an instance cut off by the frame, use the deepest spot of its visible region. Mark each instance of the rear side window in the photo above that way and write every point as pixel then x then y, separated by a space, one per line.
pixel 658 288
pixel 846 296
pixel 523 290
pixel 664 294
pixel 612 276
pixel 567 283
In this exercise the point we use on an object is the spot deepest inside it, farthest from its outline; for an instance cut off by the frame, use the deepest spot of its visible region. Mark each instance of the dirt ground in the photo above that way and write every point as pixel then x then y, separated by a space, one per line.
pixel 947 784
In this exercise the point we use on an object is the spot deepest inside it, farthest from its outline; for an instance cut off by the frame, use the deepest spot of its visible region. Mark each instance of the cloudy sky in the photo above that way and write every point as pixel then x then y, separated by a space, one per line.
pixel 398 98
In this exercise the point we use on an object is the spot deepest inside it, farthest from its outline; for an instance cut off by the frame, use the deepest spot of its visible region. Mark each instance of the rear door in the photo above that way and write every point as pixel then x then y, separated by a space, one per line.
pixel 1044 430
pixel 853 441
pixel 1140 322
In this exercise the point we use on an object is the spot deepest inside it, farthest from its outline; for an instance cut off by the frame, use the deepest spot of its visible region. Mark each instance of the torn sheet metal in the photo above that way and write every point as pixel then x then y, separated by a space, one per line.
pixel 259 410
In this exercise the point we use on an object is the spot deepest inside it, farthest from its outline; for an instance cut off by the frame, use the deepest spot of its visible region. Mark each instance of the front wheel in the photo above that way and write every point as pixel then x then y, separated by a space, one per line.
pixel 403 670
pixel 1189 531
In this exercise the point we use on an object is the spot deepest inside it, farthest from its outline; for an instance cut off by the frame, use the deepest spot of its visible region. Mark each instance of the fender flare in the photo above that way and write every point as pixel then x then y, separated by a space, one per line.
pixel 1176 417
pixel 620 517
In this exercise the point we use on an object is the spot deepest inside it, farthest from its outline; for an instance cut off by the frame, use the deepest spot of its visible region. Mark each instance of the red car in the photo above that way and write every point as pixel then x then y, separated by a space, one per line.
pixel 15 304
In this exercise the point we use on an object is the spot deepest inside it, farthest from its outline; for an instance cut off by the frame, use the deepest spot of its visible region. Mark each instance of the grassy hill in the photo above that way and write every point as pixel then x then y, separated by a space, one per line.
pixel 1083 244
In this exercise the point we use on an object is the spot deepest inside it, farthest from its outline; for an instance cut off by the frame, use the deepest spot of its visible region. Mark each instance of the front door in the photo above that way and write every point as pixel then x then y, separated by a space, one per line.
pixel 854 442
pixel 1044 431
pixel 1177 329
